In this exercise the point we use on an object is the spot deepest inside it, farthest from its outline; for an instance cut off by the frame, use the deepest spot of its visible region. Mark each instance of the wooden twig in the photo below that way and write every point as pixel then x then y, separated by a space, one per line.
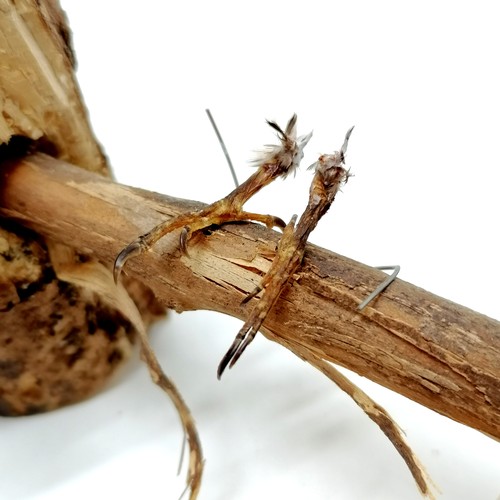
pixel 93 276
pixel 429 349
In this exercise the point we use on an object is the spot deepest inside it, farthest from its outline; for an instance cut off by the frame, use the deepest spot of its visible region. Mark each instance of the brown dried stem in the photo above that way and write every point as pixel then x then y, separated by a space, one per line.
pixel 195 470
pixel 431 350
pixel 373 410
pixel 92 275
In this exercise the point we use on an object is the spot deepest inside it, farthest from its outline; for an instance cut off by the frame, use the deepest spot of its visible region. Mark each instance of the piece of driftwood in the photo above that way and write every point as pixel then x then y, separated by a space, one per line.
pixel 82 340
pixel 438 353
pixel 39 95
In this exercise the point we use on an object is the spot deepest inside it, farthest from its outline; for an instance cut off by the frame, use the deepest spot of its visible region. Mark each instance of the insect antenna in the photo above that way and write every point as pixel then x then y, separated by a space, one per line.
pixel 223 146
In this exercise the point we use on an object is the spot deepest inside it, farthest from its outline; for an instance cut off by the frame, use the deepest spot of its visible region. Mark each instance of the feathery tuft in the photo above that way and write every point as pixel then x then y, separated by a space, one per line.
pixel 288 154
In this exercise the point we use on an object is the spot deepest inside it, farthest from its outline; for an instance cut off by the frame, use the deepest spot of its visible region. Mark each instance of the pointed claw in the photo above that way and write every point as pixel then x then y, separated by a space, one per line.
pixel 252 294
pixel 135 248
pixel 241 342
pixel 235 346
pixel 227 357
pixel 273 221
pixel 242 347
pixel 279 223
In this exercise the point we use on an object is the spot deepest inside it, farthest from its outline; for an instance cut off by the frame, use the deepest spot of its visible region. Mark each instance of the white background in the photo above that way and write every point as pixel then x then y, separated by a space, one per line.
pixel 420 81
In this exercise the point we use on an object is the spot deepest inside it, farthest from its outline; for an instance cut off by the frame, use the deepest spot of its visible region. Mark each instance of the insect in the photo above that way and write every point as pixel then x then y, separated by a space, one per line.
pixel 330 175
pixel 275 161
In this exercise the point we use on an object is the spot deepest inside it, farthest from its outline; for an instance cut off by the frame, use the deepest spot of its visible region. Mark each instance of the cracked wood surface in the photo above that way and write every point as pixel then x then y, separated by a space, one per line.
pixel 41 108
pixel 39 95
pixel 435 352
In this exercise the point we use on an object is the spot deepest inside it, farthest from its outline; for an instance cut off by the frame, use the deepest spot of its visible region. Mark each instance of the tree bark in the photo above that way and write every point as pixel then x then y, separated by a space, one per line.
pixel 436 352
pixel 39 95
pixel 41 108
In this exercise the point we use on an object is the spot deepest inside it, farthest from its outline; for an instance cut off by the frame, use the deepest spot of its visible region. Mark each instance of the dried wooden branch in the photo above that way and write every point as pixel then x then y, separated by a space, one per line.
pixel 39 95
pixel 41 106
pixel 431 350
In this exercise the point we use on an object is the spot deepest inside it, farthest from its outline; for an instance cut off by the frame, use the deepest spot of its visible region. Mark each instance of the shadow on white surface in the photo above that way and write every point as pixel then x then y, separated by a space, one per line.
pixel 272 427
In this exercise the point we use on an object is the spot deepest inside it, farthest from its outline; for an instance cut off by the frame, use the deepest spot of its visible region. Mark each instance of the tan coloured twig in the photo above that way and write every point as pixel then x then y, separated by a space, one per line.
pixel 429 349
pixel 373 410
pixel 97 278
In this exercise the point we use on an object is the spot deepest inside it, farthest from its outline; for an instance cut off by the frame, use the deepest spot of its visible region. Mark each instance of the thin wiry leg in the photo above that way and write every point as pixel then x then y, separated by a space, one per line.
pixel 275 161
pixel 374 411
pixel 273 282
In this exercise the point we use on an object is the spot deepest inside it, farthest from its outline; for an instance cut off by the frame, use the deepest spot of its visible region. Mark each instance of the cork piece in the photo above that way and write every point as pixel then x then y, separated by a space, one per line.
pixel 39 95
pixel 59 343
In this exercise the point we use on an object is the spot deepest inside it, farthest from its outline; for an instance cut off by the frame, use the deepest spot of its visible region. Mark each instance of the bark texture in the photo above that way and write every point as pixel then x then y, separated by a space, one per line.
pixel 39 97
pixel 58 342
pixel 436 352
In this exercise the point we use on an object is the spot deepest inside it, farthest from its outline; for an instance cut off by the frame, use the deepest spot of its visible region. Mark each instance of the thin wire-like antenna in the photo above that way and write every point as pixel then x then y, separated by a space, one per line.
pixel 183 450
pixel 223 146
pixel 382 285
